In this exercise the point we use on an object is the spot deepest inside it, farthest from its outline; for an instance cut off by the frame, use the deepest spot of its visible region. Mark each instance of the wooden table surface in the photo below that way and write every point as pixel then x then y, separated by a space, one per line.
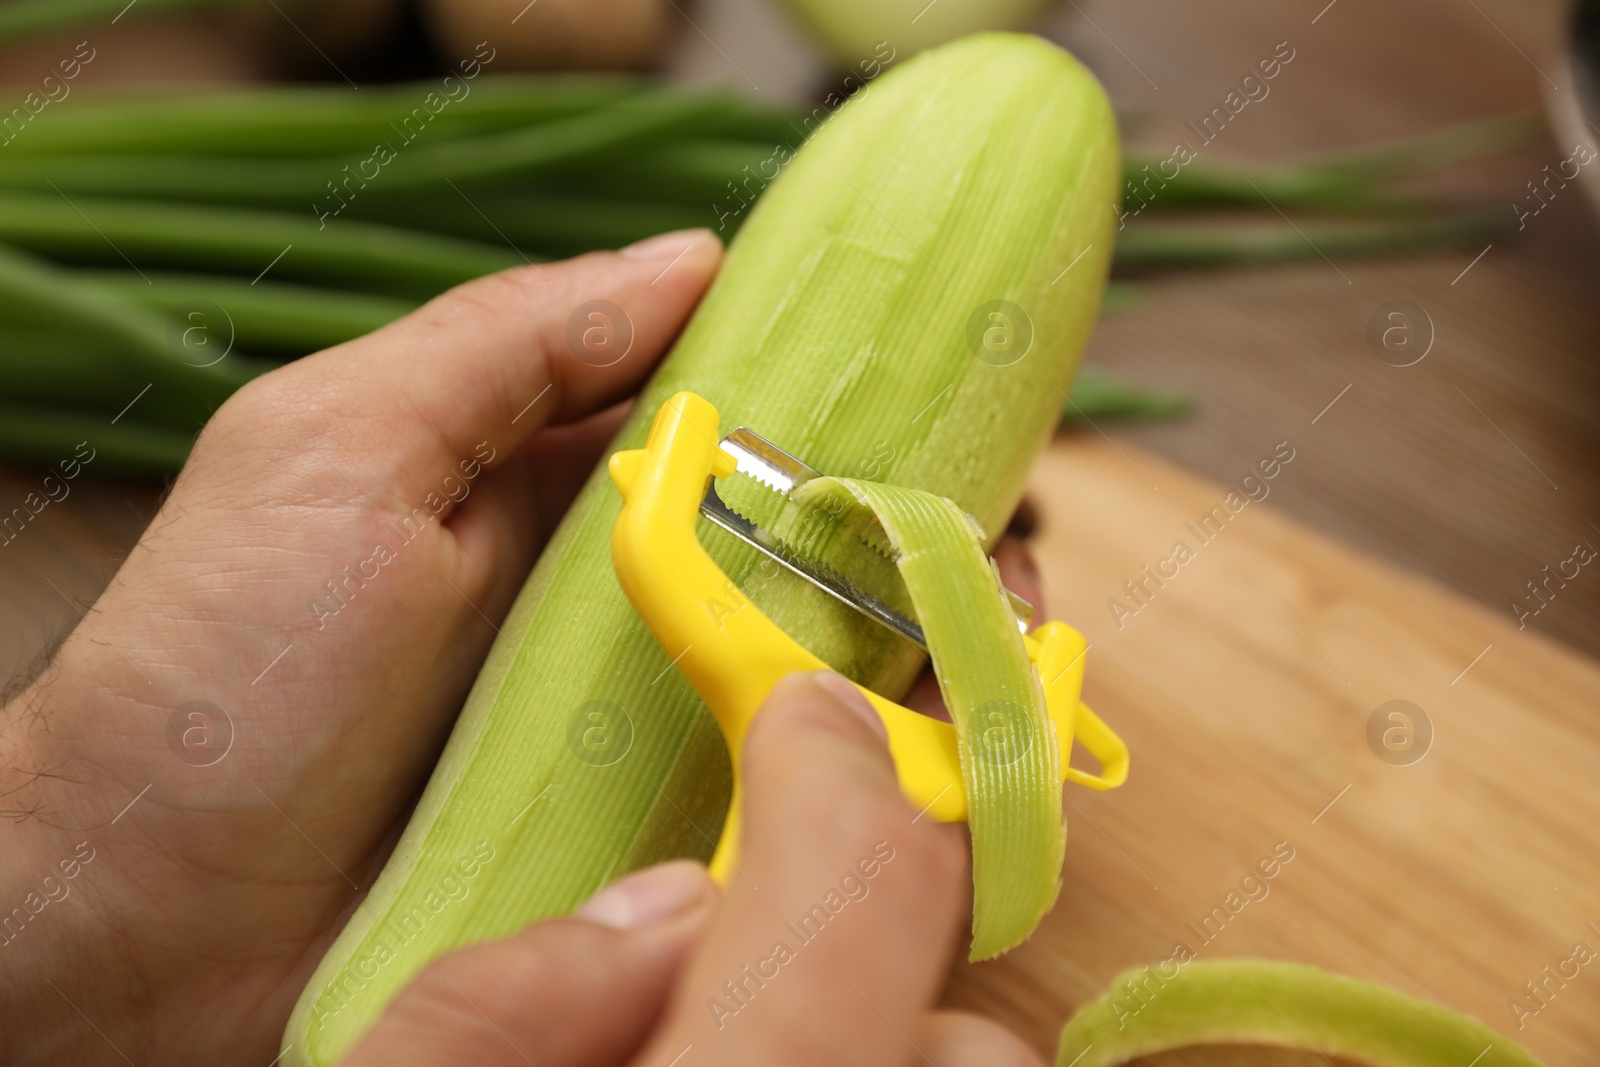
pixel 1474 467
pixel 1454 871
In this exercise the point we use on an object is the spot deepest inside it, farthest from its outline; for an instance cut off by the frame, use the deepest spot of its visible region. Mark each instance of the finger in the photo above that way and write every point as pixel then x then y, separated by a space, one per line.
pixel 504 523
pixel 479 370
pixel 957 1039
pixel 1018 573
pixel 578 992
pixel 564 458
pixel 837 929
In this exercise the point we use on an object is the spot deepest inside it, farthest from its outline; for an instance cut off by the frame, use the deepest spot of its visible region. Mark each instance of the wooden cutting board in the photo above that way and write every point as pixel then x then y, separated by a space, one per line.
pixel 1244 686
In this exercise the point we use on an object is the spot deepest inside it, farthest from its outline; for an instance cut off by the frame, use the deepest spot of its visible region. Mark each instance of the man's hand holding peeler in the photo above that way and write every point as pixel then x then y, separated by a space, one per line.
pixel 199 918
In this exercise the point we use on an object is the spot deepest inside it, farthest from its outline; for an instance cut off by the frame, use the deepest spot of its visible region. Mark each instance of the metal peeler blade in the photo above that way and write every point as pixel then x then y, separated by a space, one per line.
pixel 770 465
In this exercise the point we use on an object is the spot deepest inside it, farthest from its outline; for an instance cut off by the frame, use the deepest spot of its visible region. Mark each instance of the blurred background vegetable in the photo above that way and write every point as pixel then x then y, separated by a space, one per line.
pixel 553 34
pixel 205 238
pixel 256 225
pixel 851 30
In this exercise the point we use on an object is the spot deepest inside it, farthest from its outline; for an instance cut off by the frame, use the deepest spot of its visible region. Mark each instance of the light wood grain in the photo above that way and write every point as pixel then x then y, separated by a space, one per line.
pixel 1244 688
pixel 1473 467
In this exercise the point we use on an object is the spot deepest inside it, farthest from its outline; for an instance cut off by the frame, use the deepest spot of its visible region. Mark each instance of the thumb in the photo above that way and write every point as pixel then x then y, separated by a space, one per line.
pixel 577 992
pixel 850 904
pixel 479 370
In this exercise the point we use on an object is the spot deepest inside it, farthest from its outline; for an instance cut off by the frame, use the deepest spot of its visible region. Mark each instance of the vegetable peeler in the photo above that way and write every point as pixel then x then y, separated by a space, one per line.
pixel 733 659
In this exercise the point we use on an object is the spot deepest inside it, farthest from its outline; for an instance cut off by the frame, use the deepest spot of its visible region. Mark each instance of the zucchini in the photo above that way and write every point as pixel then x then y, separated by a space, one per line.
pixel 898 307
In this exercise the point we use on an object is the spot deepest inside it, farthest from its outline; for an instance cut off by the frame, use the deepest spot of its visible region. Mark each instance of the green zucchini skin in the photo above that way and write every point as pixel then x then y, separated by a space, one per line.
pixel 1148 1010
pixel 846 325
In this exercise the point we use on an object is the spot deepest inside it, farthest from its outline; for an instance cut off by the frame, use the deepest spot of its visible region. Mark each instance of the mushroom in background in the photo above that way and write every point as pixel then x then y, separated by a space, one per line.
pixel 851 30
pixel 551 34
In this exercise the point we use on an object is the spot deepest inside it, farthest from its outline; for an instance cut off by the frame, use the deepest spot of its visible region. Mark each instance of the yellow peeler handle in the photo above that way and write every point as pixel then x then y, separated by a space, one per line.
pixel 733 659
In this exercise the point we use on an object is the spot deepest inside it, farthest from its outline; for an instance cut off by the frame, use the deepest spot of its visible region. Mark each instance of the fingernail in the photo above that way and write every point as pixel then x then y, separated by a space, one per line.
pixel 845 692
pixel 647 897
pixel 666 245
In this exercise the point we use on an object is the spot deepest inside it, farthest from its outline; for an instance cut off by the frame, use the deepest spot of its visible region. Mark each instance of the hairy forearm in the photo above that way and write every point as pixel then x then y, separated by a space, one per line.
pixel 57 945
pixel 130 867
pixel 86 889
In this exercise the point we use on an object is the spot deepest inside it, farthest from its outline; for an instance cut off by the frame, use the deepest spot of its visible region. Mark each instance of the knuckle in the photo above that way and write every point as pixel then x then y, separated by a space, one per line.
pixel 247 406
pixel 445 312
pixel 265 422
pixel 529 284
pixel 488 295
pixel 240 418
pixel 488 298
pixel 296 392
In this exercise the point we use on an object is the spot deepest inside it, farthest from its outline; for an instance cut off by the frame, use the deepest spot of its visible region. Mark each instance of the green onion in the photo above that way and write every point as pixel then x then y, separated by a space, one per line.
pixel 74 344
pixel 1122 297
pixel 1097 395
pixel 704 172
pixel 264 316
pixel 552 224
pixel 1171 244
pixel 1436 149
pixel 352 254
pixel 1292 187
pixel 1347 180
pixel 127 446
pixel 398 162
pixel 310 121
pixel 21 19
